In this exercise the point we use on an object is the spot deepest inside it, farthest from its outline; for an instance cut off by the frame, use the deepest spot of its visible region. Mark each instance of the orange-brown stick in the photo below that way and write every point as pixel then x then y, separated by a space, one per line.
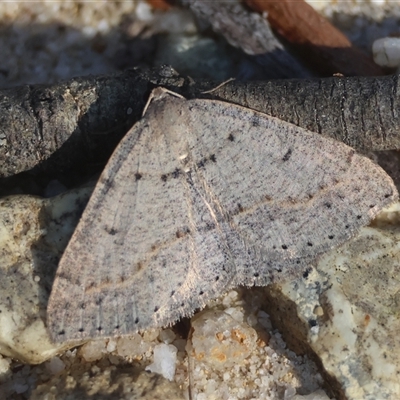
pixel 328 49
pixel 159 4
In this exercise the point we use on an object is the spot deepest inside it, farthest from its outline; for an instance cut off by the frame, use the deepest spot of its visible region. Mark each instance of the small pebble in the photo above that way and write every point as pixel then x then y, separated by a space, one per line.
pixel 386 52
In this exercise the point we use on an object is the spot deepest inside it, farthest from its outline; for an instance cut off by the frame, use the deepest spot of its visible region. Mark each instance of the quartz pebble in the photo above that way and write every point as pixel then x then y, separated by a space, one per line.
pixel 164 361
pixel 386 52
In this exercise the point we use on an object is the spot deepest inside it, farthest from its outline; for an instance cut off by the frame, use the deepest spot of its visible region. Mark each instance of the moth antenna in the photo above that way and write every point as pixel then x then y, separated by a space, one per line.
pixel 157 94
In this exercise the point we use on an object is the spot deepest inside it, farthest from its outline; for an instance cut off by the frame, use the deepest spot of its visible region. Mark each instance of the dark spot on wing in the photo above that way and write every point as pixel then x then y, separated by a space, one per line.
pixel 62 332
pixel 176 173
pixel 359 216
pixel 107 182
pixel 287 155
pixel 212 158
pixel 156 308
pixel 331 237
pixel 179 234
pixel 208 226
pixel 231 137
pixel 182 232
pixel 309 244
pixel 172 293
pixel 136 320
pixel 106 281
pixel 90 285
pixel 110 231
pixel 200 164
pixel 139 266
pixel 138 176
pixel 255 120
pixel 240 208
pixel 284 247
pixel 256 274
pixel 328 205
pixel 164 178
pixel 81 330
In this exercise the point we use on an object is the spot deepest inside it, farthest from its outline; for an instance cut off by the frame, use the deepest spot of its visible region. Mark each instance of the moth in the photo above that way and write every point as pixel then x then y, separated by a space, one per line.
pixel 201 196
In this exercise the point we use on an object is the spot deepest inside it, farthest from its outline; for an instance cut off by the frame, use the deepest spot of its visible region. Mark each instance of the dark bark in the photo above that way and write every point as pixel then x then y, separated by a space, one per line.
pixel 361 112
pixel 56 127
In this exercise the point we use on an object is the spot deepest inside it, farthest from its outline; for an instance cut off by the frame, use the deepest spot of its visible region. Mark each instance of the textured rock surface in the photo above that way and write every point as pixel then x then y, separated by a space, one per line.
pixel 33 235
pixel 346 313
pixel 125 382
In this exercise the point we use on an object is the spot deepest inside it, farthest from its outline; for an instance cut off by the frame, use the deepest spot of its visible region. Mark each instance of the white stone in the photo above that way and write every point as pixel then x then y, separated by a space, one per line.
pixel 164 361
pixel 143 11
pixel 4 365
pixel 111 345
pixel 386 52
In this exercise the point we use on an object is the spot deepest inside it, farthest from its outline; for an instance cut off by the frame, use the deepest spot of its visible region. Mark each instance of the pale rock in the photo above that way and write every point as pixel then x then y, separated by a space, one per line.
pixel 220 341
pixel 180 344
pixel 33 235
pixel 223 367
pixel 164 361
pixel 386 52
pixel 143 11
pixel 290 394
pixel 111 345
pixel 93 350
pixel 151 335
pixel 133 346
pixel 167 336
pixel 355 289
pixel 4 366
